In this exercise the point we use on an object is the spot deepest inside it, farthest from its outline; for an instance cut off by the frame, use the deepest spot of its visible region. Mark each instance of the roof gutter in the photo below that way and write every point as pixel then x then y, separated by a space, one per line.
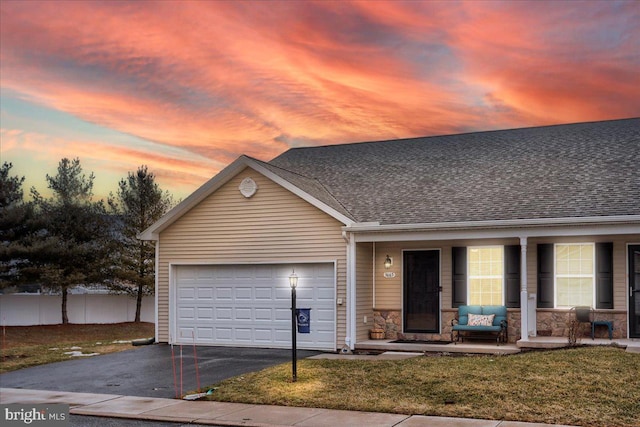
pixel 506 223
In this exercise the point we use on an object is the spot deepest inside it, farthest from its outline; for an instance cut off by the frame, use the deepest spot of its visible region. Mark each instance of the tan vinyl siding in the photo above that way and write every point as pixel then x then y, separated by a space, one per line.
pixel 364 290
pixel 388 292
pixel 272 226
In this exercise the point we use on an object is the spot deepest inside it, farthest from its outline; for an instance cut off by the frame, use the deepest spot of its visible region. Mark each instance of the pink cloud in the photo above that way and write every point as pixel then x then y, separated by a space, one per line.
pixel 560 62
pixel 223 78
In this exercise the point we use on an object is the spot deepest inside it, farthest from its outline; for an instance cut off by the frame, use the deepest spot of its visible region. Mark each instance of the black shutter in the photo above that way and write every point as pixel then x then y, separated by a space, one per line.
pixel 512 256
pixel 545 275
pixel 459 277
pixel 604 275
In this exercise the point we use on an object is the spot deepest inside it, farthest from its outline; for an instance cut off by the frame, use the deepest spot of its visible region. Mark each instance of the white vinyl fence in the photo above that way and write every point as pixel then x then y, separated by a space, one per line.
pixel 38 309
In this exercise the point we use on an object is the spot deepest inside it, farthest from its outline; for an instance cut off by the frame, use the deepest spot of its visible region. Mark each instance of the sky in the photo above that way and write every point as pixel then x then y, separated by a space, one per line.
pixel 185 87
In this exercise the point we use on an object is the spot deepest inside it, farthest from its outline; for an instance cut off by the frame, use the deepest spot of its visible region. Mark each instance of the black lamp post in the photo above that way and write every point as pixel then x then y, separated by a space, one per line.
pixel 293 282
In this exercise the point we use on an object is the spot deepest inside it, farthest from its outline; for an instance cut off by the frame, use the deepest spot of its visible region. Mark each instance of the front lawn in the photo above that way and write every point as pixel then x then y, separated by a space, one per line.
pixel 590 386
pixel 24 346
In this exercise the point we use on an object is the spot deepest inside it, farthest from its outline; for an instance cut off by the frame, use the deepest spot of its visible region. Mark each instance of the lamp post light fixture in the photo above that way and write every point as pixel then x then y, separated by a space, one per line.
pixel 293 282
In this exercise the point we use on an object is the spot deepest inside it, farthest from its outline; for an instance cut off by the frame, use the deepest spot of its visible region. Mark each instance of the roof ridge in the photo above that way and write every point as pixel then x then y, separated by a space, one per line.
pixel 381 141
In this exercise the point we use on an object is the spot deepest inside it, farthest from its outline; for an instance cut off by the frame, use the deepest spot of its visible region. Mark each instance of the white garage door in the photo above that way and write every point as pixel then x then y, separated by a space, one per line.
pixel 250 305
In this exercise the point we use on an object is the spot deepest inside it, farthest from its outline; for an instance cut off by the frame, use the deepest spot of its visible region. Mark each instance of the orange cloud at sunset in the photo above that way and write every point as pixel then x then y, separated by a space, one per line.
pixel 213 80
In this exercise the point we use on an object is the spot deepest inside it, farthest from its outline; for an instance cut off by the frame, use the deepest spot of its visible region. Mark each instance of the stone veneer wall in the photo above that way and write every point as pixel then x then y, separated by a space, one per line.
pixel 391 322
pixel 550 322
pixel 555 323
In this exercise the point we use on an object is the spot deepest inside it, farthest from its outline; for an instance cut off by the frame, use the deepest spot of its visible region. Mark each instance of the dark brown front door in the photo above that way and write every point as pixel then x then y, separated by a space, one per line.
pixel 421 274
pixel 634 291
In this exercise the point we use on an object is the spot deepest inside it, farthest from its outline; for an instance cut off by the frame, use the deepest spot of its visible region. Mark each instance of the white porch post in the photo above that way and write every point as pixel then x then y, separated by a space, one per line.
pixel 155 296
pixel 350 338
pixel 524 293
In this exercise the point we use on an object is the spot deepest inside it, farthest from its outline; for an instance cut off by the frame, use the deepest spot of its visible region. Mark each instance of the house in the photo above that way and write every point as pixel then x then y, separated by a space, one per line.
pixel 399 233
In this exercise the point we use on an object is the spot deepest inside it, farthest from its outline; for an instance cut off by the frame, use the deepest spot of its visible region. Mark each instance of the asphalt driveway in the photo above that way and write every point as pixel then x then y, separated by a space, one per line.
pixel 147 371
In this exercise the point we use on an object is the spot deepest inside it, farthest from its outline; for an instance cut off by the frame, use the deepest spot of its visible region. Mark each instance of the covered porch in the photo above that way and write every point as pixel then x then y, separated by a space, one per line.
pixel 383 295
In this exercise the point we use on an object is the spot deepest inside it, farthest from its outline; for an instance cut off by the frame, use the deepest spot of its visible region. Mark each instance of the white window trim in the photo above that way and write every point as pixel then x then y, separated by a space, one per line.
pixel 592 275
pixel 469 248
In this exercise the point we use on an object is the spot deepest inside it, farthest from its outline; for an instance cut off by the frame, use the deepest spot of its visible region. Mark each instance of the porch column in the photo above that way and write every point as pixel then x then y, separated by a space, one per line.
pixel 524 293
pixel 155 296
pixel 350 338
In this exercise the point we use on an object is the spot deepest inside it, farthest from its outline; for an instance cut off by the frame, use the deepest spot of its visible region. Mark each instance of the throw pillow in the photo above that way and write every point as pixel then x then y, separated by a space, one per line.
pixel 480 320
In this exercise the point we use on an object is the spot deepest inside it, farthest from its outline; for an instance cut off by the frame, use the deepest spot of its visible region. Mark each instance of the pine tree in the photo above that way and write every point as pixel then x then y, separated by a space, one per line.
pixel 139 203
pixel 73 233
pixel 16 221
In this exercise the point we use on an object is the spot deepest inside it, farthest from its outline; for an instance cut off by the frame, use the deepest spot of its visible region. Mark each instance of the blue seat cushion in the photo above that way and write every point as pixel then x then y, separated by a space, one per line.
pixel 500 312
pixel 477 328
pixel 464 310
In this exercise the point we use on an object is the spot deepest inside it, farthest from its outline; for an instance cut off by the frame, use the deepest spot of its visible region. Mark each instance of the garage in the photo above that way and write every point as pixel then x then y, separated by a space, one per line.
pixel 250 305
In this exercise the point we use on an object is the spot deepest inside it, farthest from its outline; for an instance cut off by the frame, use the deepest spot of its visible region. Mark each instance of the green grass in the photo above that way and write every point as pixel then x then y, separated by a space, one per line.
pixel 24 346
pixel 595 386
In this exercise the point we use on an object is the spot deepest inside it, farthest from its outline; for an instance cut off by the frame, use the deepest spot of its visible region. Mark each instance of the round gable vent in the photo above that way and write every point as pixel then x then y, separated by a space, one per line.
pixel 248 187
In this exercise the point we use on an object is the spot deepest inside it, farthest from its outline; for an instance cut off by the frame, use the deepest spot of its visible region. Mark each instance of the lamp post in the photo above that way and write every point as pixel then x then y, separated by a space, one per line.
pixel 293 282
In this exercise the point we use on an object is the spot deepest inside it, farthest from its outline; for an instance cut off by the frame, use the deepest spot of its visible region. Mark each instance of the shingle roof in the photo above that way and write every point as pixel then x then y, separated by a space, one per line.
pixel 311 186
pixel 562 171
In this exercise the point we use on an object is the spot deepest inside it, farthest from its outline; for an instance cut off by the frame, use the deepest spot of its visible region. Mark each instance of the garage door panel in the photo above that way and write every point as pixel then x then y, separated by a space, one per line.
pixel 223 293
pixel 205 274
pixel 243 314
pixel 283 294
pixel 283 314
pixel 187 292
pixel 223 334
pixel 186 332
pixel 264 314
pixel 250 305
pixel 322 315
pixel 205 334
pixel 243 334
pixel 263 293
pixel 186 313
pixel 205 293
pixel 205 313
pixel 303 294
pixel 263 335
pixel 326 294
pixel 244 272
pixel 244 293
pixel 224 313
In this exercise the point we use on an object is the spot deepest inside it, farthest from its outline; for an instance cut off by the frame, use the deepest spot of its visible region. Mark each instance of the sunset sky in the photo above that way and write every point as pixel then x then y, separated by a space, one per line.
pixel 185 87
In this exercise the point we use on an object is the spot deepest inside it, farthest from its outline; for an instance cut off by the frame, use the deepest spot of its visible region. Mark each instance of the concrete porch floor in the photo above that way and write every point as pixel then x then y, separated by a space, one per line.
pixel 631 345
pixel 479 347
pixel 475 347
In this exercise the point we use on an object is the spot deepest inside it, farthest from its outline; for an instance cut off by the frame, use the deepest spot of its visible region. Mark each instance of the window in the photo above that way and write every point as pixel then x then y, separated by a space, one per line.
pixel 574 274
pixel 485 275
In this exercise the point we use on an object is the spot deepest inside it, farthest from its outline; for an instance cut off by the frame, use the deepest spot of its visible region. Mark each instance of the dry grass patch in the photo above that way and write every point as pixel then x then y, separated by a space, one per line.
pixel 596 386
pixel 24 346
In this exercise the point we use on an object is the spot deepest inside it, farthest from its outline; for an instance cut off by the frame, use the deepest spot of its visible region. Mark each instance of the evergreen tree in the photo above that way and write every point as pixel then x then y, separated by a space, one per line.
pixel 16 222
pixel 73 233
pixel 139 203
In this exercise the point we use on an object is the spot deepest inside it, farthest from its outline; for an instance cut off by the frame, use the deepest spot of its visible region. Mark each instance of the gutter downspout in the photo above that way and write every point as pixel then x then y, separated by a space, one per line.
pixel 524 293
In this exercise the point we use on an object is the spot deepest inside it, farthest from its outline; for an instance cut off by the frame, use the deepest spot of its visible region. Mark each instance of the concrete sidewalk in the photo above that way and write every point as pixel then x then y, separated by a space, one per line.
pixel 230 414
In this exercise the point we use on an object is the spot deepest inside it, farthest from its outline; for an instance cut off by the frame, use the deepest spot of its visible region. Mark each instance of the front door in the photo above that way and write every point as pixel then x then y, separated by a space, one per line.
pixel 421 274
pixel 634 291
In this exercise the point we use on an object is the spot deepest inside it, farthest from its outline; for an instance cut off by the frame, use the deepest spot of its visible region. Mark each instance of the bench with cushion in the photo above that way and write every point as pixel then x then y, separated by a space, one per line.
pixel 480 319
